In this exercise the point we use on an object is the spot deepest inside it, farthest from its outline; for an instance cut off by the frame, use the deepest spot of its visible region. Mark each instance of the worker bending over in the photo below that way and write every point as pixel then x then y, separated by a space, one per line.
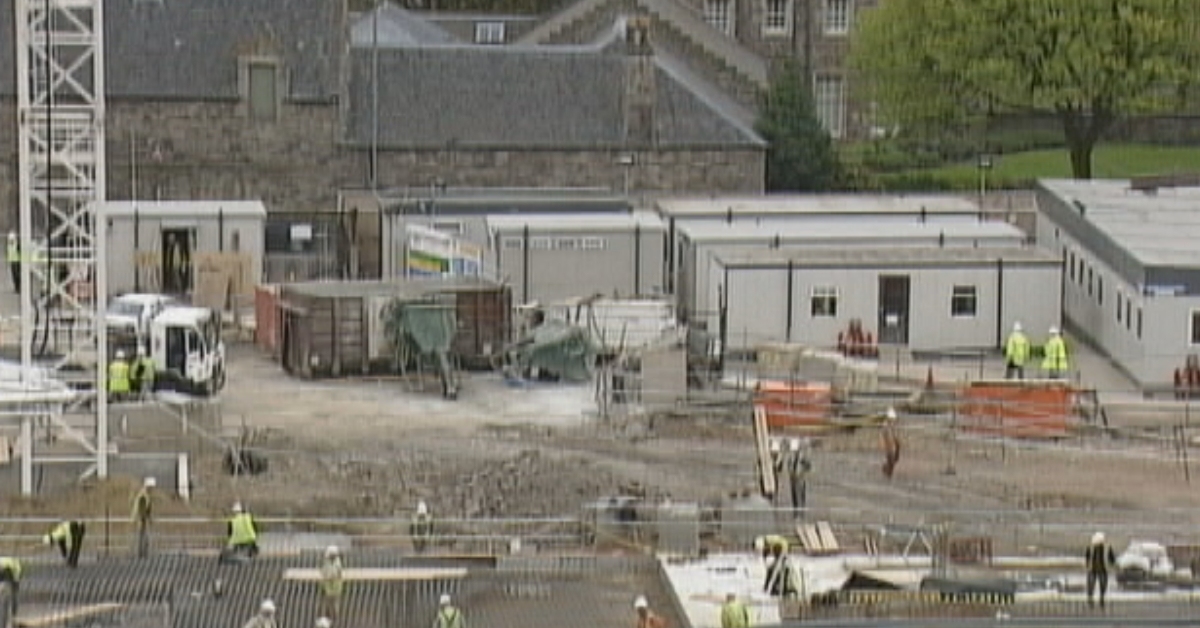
pixel 242 535
pixel 10 574
pixel 771 545
pixel 799 466
pixel 448 616
pixel 68 536
pixel 143 514
pixel 333 583
pixel 1099 556
pixel 1016 353
pixel 647 618
pixel 265 617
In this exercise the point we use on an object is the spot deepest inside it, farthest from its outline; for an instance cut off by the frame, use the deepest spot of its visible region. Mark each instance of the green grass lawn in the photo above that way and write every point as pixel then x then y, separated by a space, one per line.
pixel 1117 161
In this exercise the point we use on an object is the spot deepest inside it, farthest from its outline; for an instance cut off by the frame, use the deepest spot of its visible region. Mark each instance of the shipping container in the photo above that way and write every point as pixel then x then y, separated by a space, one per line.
pixel 335 329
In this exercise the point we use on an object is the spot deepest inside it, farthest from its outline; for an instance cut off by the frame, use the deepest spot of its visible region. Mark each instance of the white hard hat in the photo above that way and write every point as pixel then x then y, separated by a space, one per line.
pixel 444 600
pixel 891 414
pixel 331 551
pixel 150 483
pixel 120 354
pixel 774 445
pixel 141 350
pixel 267 606
pixel 237 508
pixel 1017 326
pixel 1053 331
pixel 641 602
pixel 323 622
pixel 12 235
pixel 422 508
pixel 795 444
pixel 1097 538
pixel 760 543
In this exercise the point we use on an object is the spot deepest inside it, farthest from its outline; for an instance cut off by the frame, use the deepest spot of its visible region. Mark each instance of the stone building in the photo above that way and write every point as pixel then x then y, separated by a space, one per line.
pixel 734 42
pixel 227 99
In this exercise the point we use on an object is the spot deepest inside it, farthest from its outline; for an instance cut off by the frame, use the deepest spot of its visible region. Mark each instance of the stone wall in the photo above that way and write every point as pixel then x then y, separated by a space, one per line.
pixel 693 171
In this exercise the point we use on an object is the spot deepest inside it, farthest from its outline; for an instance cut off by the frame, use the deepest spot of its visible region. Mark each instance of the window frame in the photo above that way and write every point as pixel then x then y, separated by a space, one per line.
pixel 845 13
pixel 490 33
pixel 721 20
pixel 250 66
pixel 825 294
pixel 823 102
pixel 956 299
pixel 770 18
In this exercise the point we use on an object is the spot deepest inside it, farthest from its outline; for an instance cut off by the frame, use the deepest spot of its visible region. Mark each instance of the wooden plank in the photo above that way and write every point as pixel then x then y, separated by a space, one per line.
pixel 360 575
pixel 762 438
pixel 828 540
pixel 67 615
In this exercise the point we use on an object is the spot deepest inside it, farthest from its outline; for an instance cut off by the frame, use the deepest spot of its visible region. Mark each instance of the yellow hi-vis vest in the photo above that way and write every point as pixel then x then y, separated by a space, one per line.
pixel 735 615
pixel 332 583
pixel 449 617
pixel 1055 360
pixel 1016 350
pixel 13 253
pixel 118 376
pixel 242 530
pixel 61 532
pixel 12 565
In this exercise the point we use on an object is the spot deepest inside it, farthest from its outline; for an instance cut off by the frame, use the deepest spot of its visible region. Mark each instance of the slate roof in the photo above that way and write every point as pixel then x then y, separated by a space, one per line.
pixel 504 96
pixel 188 49
pixel 396 27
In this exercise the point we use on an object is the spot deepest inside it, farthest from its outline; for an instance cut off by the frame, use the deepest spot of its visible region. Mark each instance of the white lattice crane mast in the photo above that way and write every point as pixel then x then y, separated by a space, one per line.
pixel 60 115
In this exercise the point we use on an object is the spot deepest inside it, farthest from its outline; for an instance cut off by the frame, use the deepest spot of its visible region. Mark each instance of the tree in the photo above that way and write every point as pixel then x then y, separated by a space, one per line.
pixel 937 64
pixel 800 154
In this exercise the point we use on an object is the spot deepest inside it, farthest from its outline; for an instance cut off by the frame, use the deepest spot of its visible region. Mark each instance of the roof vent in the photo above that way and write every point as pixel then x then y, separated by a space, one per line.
pixel 1080 206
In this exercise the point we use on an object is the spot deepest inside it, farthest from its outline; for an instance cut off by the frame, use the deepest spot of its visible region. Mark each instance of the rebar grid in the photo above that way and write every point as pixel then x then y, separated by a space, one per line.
pixel 200 593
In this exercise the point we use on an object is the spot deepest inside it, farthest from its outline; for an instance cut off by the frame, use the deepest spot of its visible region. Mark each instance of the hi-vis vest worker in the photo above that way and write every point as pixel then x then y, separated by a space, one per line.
pixel 1016 350
pixel 241 530
pixel 118 374
pixel 1054 362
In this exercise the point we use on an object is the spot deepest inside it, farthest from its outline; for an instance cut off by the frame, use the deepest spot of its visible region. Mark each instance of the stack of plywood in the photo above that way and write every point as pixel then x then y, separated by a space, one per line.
pixel 221 279
pixel 149 268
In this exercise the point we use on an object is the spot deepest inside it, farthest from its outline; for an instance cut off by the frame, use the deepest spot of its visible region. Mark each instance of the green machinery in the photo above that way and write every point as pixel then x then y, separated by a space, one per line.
pixel 421 333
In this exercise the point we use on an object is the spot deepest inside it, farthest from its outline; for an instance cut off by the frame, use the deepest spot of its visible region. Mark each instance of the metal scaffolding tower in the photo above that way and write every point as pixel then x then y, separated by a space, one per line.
pixel 60 114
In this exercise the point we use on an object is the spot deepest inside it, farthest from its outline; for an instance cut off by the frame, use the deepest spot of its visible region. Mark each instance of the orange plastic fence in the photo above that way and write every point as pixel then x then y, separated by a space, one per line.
pixel 1020 410
pixel 266 318
pixel 794 403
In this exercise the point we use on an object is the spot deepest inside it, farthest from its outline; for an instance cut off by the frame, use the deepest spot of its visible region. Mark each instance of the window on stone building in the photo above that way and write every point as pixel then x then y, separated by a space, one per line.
pixel 489 33
pixel 263 91
pixel 719 15
pixel 777 17
pixel 831 104
pixel 963 301
pixel 837 16
pixel 824 301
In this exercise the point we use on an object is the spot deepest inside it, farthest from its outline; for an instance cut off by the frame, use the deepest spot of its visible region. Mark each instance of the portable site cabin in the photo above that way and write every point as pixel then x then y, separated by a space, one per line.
pixel 162 246
pixel 332 329
pixel 552 257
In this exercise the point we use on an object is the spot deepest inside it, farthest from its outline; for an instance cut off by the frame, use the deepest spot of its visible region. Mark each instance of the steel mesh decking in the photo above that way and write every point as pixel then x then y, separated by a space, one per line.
pixel 178 590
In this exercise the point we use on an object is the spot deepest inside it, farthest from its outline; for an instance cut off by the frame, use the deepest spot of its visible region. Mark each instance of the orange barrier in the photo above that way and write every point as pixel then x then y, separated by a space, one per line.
pixel 266 318
pixel 1018 409
pixel 794 403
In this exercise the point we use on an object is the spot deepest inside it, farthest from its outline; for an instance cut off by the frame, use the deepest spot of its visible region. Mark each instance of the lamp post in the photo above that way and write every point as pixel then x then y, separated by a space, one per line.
pixel 985 163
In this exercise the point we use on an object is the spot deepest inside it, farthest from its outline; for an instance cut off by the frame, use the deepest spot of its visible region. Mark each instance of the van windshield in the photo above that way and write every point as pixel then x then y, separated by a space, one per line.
pixel 125 308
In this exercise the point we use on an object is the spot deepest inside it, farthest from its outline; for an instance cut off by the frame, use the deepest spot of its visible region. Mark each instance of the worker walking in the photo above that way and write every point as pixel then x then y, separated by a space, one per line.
pixel 799 466
pixel 242 535
pixel 332 583
pixel 891 444
pixel 1099 556
pixel 142 374
pixel 421 528
pixel 734 614
pixel 448 615
pixel 68 536
pixel 10 574
pixel 143 514
pixel 647 618
pixel 1016 353
pixel 264 618
pixel 1054 358
pixel 13 254
pixel 777 463
pixel 118 377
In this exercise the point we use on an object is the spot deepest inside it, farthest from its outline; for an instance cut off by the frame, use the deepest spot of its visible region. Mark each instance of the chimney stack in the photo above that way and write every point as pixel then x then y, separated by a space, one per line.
pixel 639 82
